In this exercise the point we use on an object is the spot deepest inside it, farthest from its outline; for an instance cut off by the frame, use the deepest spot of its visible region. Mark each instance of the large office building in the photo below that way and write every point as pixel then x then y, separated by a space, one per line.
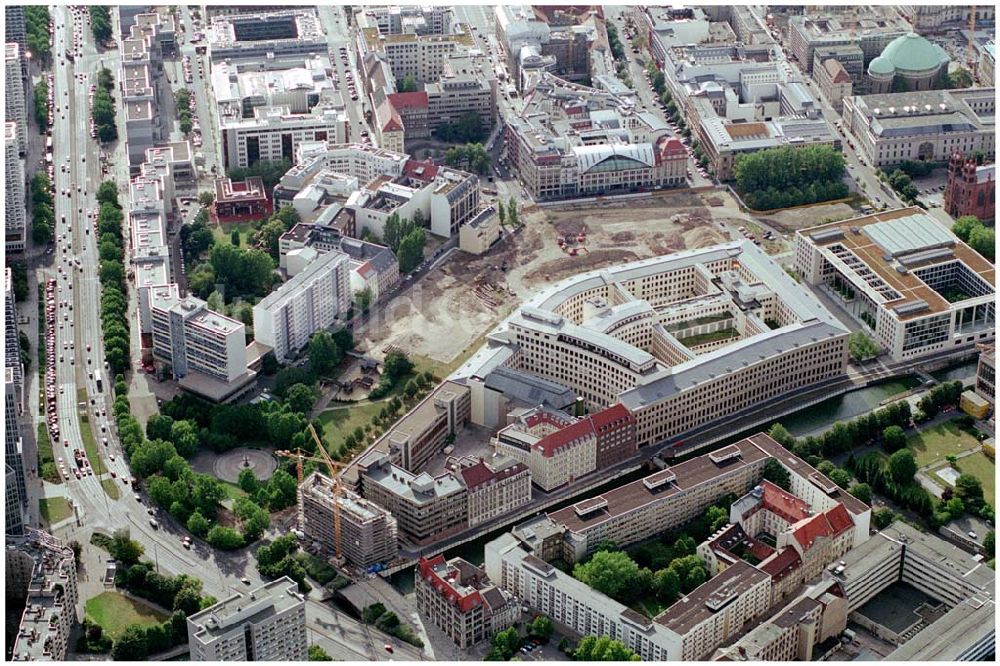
pixel 461 601
pixel 206 351
pixel 369 534
pixel 927 125
pixel 273 133
pixel 535 39
pixel 266 35
pixel 939 18
pixel 871 28
pixel 570 141
pixel 15 213
pixel 14 25
pixel 12 346
pixel 309 302
pixel 496 488
pixel 13 451
pixel 15 110
pixel 266 624
pixel 971 188
pixel 420 20
pixel 962 629
pixel 913 284
pixel 427 508
pixel 680 340
pixel 40 571
pixel 148 37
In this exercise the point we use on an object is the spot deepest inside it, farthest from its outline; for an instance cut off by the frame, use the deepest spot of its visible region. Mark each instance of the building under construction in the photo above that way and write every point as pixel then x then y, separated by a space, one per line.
pixel 369 534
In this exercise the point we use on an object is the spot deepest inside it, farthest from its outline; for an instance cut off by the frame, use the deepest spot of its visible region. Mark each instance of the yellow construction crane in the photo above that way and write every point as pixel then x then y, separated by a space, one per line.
pixel 333 466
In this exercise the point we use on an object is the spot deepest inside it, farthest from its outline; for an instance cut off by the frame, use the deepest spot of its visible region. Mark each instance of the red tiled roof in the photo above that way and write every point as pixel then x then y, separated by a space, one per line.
pixel 409 100
pixel 670 148
pixel 840 519
pixel 782 564
pixel 477 475
pixel 429 173
pixel 783 503
pixel 614 416
pixel 548 444
pixel 806 531
pixel 466 603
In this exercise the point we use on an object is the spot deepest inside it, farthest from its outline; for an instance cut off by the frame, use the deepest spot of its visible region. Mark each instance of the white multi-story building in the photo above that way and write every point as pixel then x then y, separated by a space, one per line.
pixel 927 125
pixel 266 624
pixel 40 571
pixel 274 133
pixel 15 214
pixel 309 302
pixel 396 19
pixel 917 287
pixel 12 346
pixel 13 452
pixel 14 107
pixel 266 35
pixel 869 27
pixel 14 25
pixel 206 351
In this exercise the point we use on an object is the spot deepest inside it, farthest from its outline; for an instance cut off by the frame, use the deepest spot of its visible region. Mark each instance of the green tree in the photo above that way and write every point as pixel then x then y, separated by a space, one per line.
pixel 541 628
pixel 667 585
pixel 225 538
pixel 197 524
pixel 893 439
pixel 411 250
pixel 270 172
pixel 512 214
pixel 323 353
pixel 397 365
pixel 300 398
pixel 989 544
pixel 505 644
pixel 184 435
pixel 407 84
pixel 862 491
pixel 970 490
pixel 363 297
pixel 883 517
pixel 123 548
pixel 841 477
pixel 964 225
pixel 234 237
pixel 316 653
pixel 862 347
pixel 269 235
pixel 902 466
pixel 603 648
pixel 776 473
pixel 248 482
pixel 206 198
pixel 612 573
pixel 983 241
pixel 253 518
pixel 132 645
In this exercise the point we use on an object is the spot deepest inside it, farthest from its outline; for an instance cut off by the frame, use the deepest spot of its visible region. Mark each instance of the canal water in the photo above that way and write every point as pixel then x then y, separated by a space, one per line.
pixel 964 371
pixel 821 415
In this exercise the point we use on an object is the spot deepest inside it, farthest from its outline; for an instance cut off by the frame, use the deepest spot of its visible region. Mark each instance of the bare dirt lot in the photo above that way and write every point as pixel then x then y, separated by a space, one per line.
pixel 802 218
pixel 445 315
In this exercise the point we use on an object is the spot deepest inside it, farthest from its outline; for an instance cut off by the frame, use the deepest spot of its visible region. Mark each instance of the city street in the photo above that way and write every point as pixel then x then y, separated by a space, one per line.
pixel 338 35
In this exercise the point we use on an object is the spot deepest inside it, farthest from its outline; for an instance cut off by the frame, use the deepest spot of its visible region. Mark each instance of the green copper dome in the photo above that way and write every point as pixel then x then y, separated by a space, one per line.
pixel 911 53
pixel 881 66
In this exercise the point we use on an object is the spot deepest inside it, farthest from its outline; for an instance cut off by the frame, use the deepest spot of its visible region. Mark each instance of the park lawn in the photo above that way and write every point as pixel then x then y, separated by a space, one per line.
pixel 224 231
pixel 341 421
pixel 937 443
pixel 54 509
pixel 47 468
pixel 984 469
pixel 233 491
pixel 111 488
pixel 114 611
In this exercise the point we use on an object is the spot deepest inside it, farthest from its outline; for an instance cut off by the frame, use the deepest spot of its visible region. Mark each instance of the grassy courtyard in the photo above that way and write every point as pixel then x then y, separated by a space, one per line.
pixel 54 509
pixel 222 232
pixel 46 458
pixel 341 421
pixel 984 469
pixel 937 443
pixel 114 611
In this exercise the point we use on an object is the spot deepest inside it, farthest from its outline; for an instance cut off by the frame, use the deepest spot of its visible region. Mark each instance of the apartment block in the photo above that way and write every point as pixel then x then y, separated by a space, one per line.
pixel 310 302
pixel 461 601
pixel 13 509
pixel 40 571
pixel 15 110
pixel 266 624
pixel 14 30
pixel 926 125
pixel 206 351
pixel 971 188
pixel 815 616
pixel 917 288
pixel 495 488
pixel 426 508
pixel 369 533
pixel 15 212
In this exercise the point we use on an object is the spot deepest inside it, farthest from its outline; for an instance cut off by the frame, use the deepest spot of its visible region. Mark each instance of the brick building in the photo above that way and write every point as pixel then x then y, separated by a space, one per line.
pixel 241 200
pixel 971 188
